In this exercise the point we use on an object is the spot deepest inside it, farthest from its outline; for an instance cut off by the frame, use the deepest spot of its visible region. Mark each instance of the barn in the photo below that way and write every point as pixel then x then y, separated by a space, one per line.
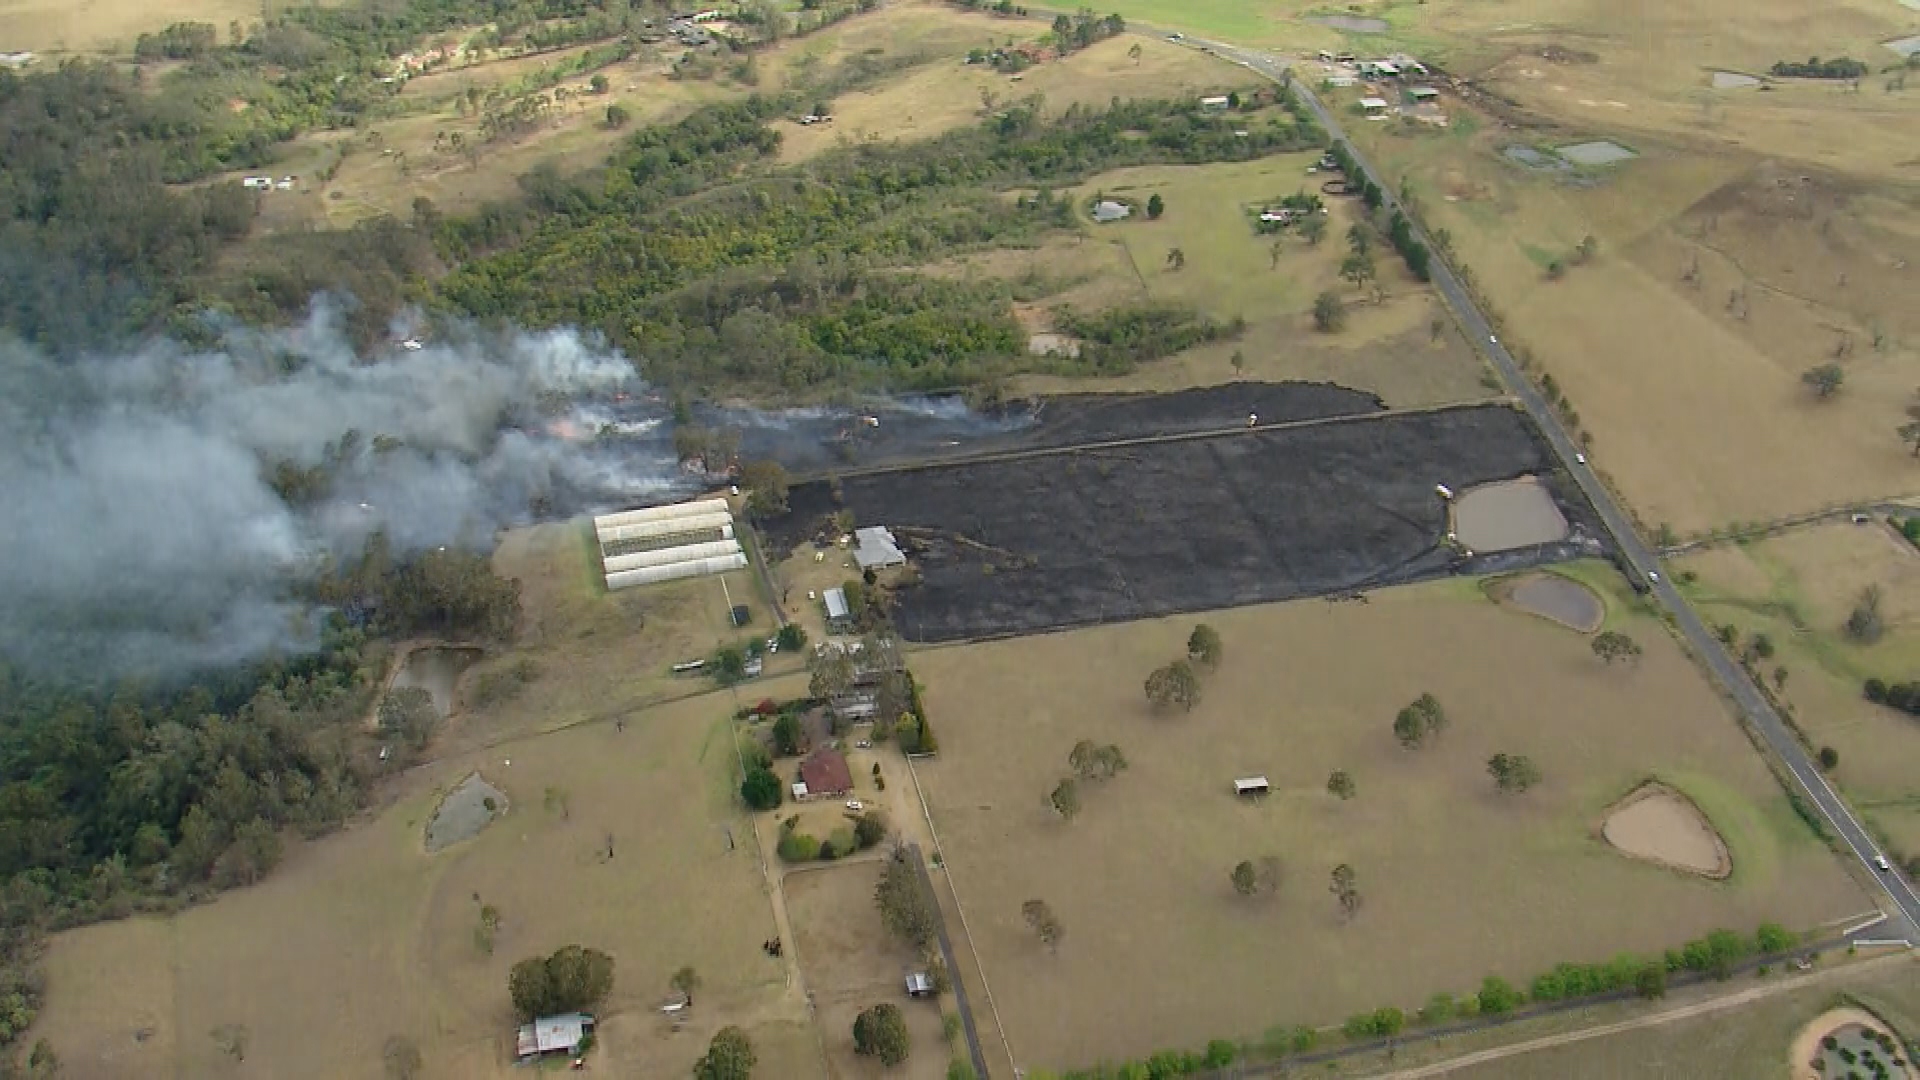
pixel 664 543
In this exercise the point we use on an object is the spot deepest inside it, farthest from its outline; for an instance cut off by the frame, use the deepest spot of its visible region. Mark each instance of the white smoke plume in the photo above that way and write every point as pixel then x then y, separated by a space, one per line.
pixel 141 532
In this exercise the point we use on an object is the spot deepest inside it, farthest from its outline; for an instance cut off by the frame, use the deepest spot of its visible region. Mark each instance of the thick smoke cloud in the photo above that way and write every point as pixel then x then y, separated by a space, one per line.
pixel 141 533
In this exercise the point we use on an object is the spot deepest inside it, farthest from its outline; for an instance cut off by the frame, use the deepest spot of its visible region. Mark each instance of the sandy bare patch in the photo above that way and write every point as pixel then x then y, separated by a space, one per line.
pixel 1553 597
pixel 467 809
pixel 436 669
pixel 1656 823
pixel 1852 1029
pixel 1511 514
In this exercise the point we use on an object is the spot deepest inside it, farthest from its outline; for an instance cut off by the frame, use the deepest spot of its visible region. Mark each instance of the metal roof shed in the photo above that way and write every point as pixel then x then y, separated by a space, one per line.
pixel 1251 785
pixel 553 1034
pixel 875 549
pixel 837 609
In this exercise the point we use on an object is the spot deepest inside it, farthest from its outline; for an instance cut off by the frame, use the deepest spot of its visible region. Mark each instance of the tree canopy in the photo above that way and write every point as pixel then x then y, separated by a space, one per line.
pixel 572 978
pixel 1174 684
pixel 881 1031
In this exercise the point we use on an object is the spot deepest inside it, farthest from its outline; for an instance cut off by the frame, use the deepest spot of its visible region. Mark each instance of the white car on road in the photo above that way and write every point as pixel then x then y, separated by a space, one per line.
pixel 1579 459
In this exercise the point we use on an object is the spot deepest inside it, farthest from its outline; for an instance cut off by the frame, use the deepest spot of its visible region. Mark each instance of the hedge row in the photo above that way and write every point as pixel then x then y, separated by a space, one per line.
pixel 1715 954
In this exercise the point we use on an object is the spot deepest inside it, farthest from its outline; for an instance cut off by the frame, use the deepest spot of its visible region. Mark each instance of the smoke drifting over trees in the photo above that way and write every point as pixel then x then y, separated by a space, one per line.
pixel 164 506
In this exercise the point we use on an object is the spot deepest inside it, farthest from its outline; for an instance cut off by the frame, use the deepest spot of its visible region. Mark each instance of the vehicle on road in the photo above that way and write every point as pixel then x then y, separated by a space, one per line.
pixel 1653 577
pixel 1881 862
pixel 1176 37
pixel 1579 459
pixel 1862 519
pixel 1493 339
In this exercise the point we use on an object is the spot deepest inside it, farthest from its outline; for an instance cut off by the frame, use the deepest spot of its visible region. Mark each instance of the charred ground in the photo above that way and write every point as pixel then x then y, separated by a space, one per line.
pixel 1085 534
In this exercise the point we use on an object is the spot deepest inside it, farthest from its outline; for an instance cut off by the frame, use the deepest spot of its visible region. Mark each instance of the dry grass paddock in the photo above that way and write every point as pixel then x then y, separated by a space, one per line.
pixel 1230 271
pixel 361 935
pixel 601 654
pixel 1794 197
pixel 946 93
pixel 1458 881
pixel 1798 589
pixel 80 26
pixel 852 963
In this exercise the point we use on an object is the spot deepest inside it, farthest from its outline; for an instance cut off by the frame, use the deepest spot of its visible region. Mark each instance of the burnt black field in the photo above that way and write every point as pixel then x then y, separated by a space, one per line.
pixel 1092 534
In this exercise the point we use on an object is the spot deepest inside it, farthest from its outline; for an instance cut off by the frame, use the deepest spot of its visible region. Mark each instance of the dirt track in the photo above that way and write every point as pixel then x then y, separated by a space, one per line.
pixel 1698 1008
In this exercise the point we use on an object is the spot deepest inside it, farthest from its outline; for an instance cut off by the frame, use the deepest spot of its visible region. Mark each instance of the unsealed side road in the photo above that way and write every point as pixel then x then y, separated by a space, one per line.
pixel 1640 560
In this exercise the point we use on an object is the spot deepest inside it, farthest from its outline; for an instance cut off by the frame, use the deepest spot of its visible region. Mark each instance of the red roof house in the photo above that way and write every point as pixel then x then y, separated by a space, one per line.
pixel 825 772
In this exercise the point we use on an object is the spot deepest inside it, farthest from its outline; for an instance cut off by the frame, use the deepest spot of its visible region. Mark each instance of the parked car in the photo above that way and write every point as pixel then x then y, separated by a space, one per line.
pixel 856 805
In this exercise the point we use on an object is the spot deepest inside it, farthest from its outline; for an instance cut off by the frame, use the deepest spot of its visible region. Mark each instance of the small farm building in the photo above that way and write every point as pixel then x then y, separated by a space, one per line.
pixel 1106 211
pixel 874 549
pixel 1251 785
pixel 839 615
pixel 1217 101
pixel 1373 106
pixel 1422 94
pixel 919 985
pixel 552 1035
pixel 825 773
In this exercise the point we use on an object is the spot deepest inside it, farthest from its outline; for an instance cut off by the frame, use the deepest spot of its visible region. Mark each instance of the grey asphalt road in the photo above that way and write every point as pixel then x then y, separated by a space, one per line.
pixel 1637 555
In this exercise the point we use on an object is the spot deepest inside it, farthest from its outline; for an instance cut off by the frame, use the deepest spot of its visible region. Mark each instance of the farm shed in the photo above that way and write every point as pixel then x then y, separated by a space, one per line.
pixel 1251 785
pixel 664 513
pixel 552 1035
pixel 875 549
pixel 825 773
pixel 1373 106
pixel 839 615
pixel 919 985
pixel 662 543
pixel 1106 211
pixel 648 575
pixel 664 556
pixel 668 527
pixel 1216 101
pixel 1422 94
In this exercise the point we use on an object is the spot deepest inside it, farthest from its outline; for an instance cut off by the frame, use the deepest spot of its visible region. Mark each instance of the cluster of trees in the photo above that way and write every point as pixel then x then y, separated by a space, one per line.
pixel 867 830
pixel 1419 721
pixel 1904 696
pixel 906 909
pixel 445 593
pixel 1611 645
pixel 1513 774
pixel 1841 67
pixel 1115 341
pixel 1252 877
pixel 880 1031
pixel 1084 28
pixel 1583 253
pixel 572 978
pixel 1399 230
pixel 1092 763
pixel 1178 683
pixel 729 1056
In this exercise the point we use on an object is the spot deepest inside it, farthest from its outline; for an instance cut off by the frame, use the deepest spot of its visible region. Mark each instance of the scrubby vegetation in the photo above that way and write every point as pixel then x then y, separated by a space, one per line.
pixel 692 249
pixel 1841 67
